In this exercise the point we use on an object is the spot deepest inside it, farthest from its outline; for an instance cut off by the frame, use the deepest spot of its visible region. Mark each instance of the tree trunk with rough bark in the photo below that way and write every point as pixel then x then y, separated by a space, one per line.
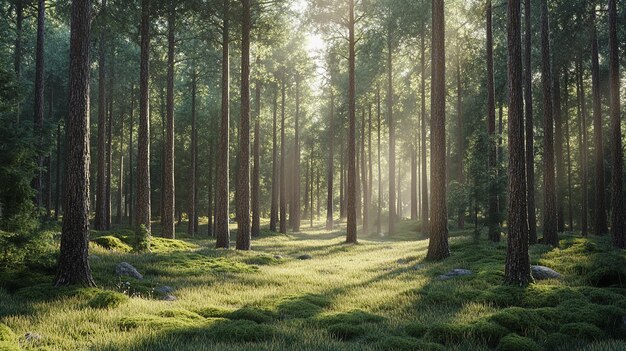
pixel 438 248
pixel 256 169
pixel 351 234
pixel 100 215
pixel 558 154
pixel 191 207
pixel 283 175
pixel 73 263
pixel 425 204
pixel 275 174
pixel 493 215
pixel 168 168
pixel 38 131
pixel 517 267
pixel 529 125
pixel 331 162
pixel 392 139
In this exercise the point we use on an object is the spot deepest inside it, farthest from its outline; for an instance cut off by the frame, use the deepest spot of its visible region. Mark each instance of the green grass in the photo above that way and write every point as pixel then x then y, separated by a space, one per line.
pixel 377 295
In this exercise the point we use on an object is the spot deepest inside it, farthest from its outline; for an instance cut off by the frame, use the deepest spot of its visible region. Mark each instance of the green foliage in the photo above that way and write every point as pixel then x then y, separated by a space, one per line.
pixel 240 331
pixel 582 330
pixel 350 325
pixel 107 299
pixel 446 333
pixel 302 306
pixel 514 342
pixel 110 242
pixel 416 329
pixel 214 312
pixel 400 343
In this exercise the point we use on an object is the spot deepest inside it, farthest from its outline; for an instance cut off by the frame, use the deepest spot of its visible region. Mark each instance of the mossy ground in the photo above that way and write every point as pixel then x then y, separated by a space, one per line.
pixel 377 295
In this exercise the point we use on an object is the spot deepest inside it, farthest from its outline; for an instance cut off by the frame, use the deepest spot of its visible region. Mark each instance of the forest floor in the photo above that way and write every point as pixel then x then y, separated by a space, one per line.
pixel 377 295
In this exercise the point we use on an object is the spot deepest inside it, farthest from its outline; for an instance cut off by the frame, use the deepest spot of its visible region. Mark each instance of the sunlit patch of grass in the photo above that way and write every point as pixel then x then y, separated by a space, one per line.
pixel 377 295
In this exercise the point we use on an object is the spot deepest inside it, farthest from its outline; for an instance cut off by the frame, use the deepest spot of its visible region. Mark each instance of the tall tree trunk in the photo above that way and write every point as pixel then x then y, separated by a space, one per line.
pixel 57 192
pixel 364 179
pixel 618 231
pixel 142 207
pixel 582 128
pixel 380 174
pixel 109 156
pixel 100 215
pixel 550 236
pixel 73 263
pixel 517 267
pixel 438 229
pixel 368 199
pixel 296 162
pixel 425 204
pixel 317 195
pixel 399 213
pixel 48 180
pixel 493 215
pixel 168 179
pixel 558 153
pixel 306 188
pixel 413 185
pixel 243 174
pixel 211 193
pixel 120 184
pixel 38 132
pixel 600 224
pixel 310 176
pixel 342 185
pixel 283 180
pixel 351 235
pixel 331 162
pixel 461 141
pixel 530 132
pixel 359 201
pixel 131 146
pixel 222 233
pixel 392 138
pixel 191 209
pixel 256 170
pixel 275 175
pixel 568 149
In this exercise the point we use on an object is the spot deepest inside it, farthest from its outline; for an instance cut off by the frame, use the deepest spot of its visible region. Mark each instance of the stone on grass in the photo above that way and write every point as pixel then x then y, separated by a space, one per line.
pixel 278 257
pixel 457 272
pixel 165 289
pixel 305 257
pixel 32 336
pixel 127 269
pixel 542 272
pixel 169 298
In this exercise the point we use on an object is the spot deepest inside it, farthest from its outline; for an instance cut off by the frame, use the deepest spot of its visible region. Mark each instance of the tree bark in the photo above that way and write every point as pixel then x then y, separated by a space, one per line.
pixel 109 156
pixel 295 203
pixel 256 170
pixel 517 267
pixel 168 180
pixel 461 141
pixel 211 193
pixel 131 208
pixel 550 235
pixel 283 180
pixel 392 138
pixel 143 148
pixel 583 142
pixel 57 192
pixel 331 161
pixel 438 248
pixel 618 230
pixel 120 184
pixel 351 235
pixel 73 263
pixel 425 204
pixel 566 117
pixel 243 174
pixel 530 132
pixel 100 215
pixel 493 215
pixel 380 174
pixel 275 175
pixel 364 179
pixel 413 185
pixel 38 132
pixel 558 154
pixel 191 209
pixel 222 232
pixel 600 224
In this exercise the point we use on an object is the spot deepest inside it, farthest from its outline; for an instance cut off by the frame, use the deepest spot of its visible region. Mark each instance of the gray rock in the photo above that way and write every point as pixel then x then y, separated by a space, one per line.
pixel 278 257
pixel 305 257
pixel 169 298
pixel 32 336
pixel 127 269
pixel 542 272
pixel 165 289
pixel 457 272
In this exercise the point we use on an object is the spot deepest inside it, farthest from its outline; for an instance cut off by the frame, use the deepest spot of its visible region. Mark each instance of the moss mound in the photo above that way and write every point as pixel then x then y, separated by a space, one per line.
pixel 303 306
pixel 582 330
pixel 214 312
pixel 240 331
pixel 113 243
pixel 169 319
pixel 252 314
pixel 402 343
pixel 514 342
pixel 8 339
pixel 107 299
pixel 351 325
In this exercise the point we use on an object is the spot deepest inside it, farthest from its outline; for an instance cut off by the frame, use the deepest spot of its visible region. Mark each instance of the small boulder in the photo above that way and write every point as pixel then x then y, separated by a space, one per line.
pixel 127 269
pixel 278 257
pixel 305 257
pixel 165 290
pixel 169 297
pixel 32 336
pixel 457 272
pixel 542 273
